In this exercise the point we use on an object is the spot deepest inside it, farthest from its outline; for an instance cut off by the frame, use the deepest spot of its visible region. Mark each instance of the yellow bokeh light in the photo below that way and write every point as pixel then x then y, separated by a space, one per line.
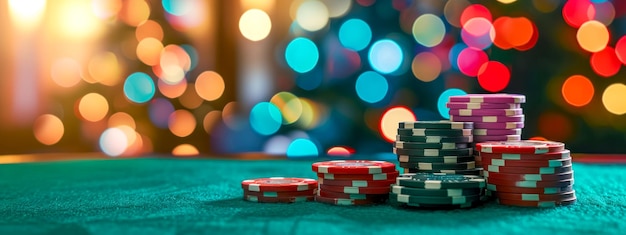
pixel 105 9
pixel 135 12
pixel 93 107
pixel 593 36
pixel 149 51
pixel 391 118
pixel 506 1
pixel 26 14
pixel 181 123
pixel 48 129
pixel 265 5
pixel 289 105
pixel 185 150
pixel 614 98
pixel 337 8
pixel 75 20
pixel 255 25
pixel 65 72
pixel 121 119
pixel 312 15
pixel 210 85
pixel 105 69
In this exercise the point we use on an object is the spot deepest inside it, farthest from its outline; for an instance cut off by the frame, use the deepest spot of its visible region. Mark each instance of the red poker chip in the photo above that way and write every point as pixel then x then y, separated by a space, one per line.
pixel 530 183
pixel 535 196
pixel 521 147
pixel 279 184
pixel 353 167
pixel 356 190
pixel 527 170
pixel 253 198
pixel 529 163
pixel 536 177
pixel 371 177
pixel 281 193
pixel 564 154
pixel 554 203
pixel 510 189
pixel 331 194
pixel 348 202
pixel 357 183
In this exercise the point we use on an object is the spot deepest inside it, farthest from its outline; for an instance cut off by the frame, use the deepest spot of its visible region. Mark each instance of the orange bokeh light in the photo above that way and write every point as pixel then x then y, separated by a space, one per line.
pixel 577 90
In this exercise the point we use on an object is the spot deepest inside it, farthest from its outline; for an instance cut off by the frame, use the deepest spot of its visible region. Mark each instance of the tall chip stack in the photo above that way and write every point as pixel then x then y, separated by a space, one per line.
pixel 354 182
pixel 496 117
pixel 435 147
pixel 437 190
pixel 528 173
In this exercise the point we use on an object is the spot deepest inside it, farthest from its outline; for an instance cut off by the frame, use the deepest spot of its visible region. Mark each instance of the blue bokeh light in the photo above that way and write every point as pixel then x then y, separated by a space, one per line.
pixel 302 55
pixel 160 110
pixel 193 55
pixel 355 34
pixel 443 100
pixel 177 7
pixel 302 148
pixel 139 87
pixel 371 87
pixel 265 118
pixel 453 56
pixel 385 56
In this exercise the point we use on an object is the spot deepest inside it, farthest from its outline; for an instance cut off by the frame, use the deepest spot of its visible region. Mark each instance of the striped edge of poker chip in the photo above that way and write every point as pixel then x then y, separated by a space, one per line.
pixel 348 202
pixel 436 139
pixel 522 146
pixel 382 176
pixel 353 167
pixel 530 177
pixel 498 125
pixel 419 145
pixel 483 132
pixel 434 132
pixel 439 181
pixel 393 200
pixel 546 190
pixel 442 124
pixel 279 184
pixel 253 198
pixel 357 183
pixel 434 152
pixel 527 170
pixel 489 98
pixel 281 193
pixel 444 159
pixel 469 105
pixel 554 203
pixel 475 171
pixel 516 118
pixel 448 200
pixel 435 192
pixel 438 166
pixel 530 183
pixel 535 196
pixel 522 163
pixel 331 194
pixel 354 190
pixel 486 112
pixel 489 138
pixel 565 154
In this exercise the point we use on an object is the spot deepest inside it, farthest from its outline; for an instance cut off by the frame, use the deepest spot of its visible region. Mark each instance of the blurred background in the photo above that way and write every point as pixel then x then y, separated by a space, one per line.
pixel 299 77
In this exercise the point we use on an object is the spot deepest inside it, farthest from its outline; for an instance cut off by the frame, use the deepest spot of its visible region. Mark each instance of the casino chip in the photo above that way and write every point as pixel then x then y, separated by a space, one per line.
pixel 528 173
pixel 279 189
pixel 489 98
pixel 437 190
pixel 354 182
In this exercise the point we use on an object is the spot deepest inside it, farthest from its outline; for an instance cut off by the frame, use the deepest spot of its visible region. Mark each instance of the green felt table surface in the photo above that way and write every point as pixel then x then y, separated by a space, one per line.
pixel 204 196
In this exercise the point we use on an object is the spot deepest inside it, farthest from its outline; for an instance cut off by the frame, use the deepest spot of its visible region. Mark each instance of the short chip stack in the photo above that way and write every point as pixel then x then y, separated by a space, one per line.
pixel 528 173
pixel 279 189
pixel 437 190
pixel 354 182
pixel 496 117
pixel 435 147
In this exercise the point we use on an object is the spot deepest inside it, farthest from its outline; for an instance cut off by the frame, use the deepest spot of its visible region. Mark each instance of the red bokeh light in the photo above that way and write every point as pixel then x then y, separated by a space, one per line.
pixel 470 60
pixel 494 76
pixel 605 62
pixel 577 12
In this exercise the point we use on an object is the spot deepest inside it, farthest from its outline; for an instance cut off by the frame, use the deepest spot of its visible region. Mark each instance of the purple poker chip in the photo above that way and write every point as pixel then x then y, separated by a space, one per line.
pixel 489 98
pixel 486 112
pixel 498 125
pixel 463 105
pixel 517 118
pixel 487 138
pixel 484 132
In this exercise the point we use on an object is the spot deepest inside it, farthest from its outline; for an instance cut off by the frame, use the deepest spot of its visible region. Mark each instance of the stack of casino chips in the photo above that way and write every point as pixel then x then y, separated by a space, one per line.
pixel 435 147
pixel 354 182
pixel 279 189
pixel 437 190
pixel 528 173
pixel 496 117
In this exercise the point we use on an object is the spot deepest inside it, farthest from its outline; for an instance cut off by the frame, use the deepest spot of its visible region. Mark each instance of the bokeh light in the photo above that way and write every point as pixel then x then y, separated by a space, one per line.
pixel 385 56
pixel 426 66
pixel 605 62
pixel 93 107
pixel 178 7
pixel 620 49
pixel 185 150
pixel 135 12
pixel 371 87
pixel 312 15
pixel 577 90
pixel 494 76
pixel 470 60
pixel 149 29
pixel 444 98
pixel 48 129
pixel 475 11
pixel 555 126
pixel 428 30
pixel 172 90
pixel 592 36
pixel 210 85
pixel 149 51
pixel 355 34
pixel 105 9
pixel 255 25
pixel 337 8
pixel 302 148
pixel 265 118
pixel 577 12
pixel 340 151
pixel 26 13
pixel 613 98
pixel 105 68
pixel 139 87
pixel 181 123
pixel 302 55
pixel 160 110
pixel 390 119
pixel 478 33
pixel 453 10
pixel 122 119
pixel 289 105
pixel 113 142
pixel 66 72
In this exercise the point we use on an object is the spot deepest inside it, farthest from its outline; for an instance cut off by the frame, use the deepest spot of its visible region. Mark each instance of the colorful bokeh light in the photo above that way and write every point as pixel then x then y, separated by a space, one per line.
pixel 385 56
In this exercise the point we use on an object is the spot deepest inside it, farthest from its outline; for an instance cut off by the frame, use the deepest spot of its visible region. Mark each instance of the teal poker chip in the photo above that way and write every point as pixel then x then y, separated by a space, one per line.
pixel 442 124
pixel 438 166
pixel 452 200
pixel 439 181
pixel 444 159
pixel 436 192
pixel 393 201
pixel 434 132
pixel 418 145
pixel 434 152
pixel 435 139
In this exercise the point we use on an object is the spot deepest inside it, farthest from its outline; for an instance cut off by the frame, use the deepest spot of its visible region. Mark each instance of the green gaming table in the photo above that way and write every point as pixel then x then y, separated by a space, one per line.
pixel 203 195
